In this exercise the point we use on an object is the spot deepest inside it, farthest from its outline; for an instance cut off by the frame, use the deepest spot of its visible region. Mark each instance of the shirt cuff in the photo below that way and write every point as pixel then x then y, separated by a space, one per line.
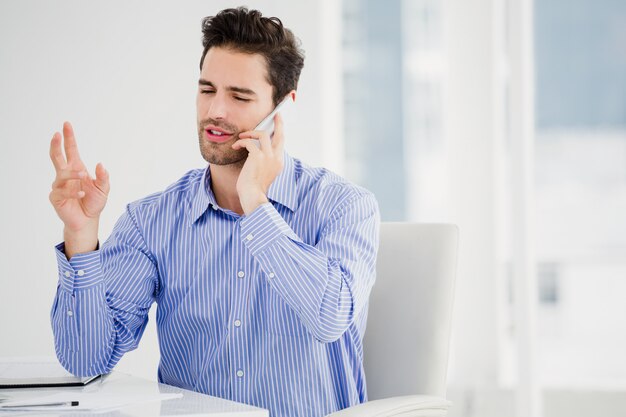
pixel 81 272
pixel 264 226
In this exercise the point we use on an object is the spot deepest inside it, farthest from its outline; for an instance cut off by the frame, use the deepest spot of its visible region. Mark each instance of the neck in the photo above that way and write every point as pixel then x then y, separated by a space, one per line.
pixel 224 186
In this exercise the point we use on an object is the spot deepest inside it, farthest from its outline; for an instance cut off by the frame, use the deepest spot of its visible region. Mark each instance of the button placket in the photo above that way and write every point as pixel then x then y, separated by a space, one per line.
pixel 72 325
pixel 241 282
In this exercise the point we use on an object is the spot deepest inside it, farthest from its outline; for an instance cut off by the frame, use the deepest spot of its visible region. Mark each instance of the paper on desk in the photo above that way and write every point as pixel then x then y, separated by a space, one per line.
pixel 87 401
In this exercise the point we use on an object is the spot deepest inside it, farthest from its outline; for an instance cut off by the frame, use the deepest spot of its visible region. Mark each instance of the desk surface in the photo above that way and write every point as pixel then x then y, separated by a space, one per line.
pixel 190 404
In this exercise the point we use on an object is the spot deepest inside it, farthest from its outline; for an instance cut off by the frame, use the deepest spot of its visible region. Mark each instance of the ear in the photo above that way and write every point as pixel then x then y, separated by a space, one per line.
pixel 292 93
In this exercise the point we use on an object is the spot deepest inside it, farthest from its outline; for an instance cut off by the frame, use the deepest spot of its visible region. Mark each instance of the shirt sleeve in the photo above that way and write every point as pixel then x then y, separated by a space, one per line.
pixel 102 301
pixel 327 284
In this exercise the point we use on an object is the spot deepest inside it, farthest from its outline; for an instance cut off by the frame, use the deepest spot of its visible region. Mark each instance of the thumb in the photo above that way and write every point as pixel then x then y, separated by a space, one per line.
pixel 102 179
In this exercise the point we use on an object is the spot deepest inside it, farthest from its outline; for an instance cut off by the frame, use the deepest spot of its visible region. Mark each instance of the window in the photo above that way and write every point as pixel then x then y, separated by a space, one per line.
pixel 548 277
pixel 580 190
pixel 431 124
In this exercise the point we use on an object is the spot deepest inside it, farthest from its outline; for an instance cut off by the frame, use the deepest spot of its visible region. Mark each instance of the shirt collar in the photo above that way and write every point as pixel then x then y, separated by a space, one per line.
pixel 203 198
pixel 282 190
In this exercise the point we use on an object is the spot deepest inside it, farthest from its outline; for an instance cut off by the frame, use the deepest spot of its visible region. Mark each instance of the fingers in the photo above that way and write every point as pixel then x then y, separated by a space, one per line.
pixel 62 187
pixel 278 140
pixel 71 148
pixel 102 179
pixel 70 183
pixel 252 145
pixel 65 175
pixel 58 195
pixel 261 140
pixel 56 153
pixel 266 144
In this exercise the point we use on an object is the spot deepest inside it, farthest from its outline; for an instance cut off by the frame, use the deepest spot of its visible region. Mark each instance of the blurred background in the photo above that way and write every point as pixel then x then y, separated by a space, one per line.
pixel 506 117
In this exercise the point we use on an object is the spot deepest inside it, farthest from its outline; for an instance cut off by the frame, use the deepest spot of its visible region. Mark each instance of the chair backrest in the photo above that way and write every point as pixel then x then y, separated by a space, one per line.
pixel 408 328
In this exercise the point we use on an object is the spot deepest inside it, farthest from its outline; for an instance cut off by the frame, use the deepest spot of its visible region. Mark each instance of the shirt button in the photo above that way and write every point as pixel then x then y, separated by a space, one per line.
pixel 241 274
pixel 237 323
pixel 249 237
pixel 240 373
pixel 67 274
pixel 70 313
pixel 81 272
pixel 271 275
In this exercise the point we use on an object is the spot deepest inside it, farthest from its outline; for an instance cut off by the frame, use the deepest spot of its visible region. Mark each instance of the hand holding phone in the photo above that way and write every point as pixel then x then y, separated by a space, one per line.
pixel 262 165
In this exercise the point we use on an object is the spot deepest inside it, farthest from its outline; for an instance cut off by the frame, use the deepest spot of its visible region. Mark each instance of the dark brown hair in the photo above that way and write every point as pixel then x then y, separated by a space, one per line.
pixel 249 32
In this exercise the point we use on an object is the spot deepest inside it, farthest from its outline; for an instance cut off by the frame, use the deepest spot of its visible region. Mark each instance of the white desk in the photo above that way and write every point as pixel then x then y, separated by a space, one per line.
pixel 191 403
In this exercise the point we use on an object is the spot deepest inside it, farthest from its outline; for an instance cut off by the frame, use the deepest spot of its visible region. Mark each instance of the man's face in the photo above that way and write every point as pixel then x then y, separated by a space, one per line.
pixel 233 96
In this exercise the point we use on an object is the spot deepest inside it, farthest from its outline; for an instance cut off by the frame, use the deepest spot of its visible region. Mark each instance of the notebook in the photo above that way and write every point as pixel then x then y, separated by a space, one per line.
pixel 26 373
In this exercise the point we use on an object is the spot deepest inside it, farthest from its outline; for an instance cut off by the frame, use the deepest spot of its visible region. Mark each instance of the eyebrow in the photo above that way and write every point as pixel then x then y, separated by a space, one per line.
pixel 235 89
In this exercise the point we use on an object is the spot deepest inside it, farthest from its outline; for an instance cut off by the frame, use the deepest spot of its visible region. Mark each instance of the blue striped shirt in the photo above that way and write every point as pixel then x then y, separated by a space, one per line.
pixel 267 309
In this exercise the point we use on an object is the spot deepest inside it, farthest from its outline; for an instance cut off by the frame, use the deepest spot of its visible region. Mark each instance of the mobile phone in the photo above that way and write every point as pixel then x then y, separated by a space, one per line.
pixel 267 124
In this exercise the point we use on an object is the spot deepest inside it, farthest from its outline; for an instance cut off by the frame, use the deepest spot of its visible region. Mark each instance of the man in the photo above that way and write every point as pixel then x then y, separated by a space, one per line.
pixel 261 266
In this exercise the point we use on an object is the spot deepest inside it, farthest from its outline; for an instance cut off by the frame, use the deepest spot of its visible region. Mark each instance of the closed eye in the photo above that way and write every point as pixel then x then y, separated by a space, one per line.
pixel 245 100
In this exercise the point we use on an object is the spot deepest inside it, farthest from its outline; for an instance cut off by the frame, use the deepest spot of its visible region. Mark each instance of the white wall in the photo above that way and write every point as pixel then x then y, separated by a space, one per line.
pixel 124 73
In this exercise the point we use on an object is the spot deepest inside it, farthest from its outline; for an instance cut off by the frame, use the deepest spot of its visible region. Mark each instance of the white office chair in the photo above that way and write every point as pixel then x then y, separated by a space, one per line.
pixel 408 329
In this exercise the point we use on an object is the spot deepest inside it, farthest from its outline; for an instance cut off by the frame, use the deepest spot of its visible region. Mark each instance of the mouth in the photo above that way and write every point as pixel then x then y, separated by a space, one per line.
pixel 217 135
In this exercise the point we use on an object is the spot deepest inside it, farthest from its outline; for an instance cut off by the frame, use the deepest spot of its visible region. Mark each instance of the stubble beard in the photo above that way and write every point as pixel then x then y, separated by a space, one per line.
pixel 220 153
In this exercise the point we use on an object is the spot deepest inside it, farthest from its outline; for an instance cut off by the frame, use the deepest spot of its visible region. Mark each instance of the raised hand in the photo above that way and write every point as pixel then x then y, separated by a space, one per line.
pixel 77 198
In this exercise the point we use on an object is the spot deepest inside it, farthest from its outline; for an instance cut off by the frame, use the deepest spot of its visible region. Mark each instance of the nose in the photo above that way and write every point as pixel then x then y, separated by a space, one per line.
pixel 217 108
